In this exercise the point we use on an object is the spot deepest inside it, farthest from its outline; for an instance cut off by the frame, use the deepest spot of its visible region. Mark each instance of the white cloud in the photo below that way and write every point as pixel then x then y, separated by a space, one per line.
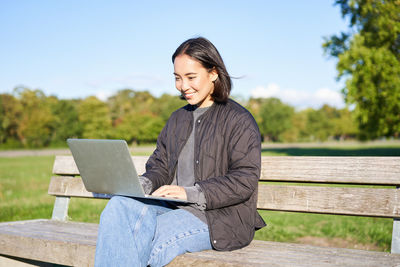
pixel 271 90
pixel 300 99
pixel 326 95
pixel 103 95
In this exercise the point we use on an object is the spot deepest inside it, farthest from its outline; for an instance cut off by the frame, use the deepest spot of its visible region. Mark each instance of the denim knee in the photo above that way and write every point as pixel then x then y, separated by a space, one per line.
pixel 111 209
pixel 118 207
pixel 126 231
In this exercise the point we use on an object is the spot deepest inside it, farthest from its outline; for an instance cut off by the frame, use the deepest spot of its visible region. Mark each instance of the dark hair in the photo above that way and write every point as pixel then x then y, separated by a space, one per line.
pixel 207 54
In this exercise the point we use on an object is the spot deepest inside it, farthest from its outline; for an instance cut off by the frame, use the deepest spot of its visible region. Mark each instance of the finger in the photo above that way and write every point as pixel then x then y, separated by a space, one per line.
pixel 163 190
pixel 167 189
pixel 171 191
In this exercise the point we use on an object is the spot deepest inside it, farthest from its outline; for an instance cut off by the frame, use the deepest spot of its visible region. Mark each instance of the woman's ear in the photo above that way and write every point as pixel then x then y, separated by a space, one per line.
pixel 214 74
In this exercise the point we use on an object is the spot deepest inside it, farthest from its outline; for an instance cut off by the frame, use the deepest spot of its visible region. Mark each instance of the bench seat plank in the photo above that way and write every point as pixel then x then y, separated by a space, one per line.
pixel 67 243
pixel 375 202
pixel 73 243
pixel 267 253
pixel 346 170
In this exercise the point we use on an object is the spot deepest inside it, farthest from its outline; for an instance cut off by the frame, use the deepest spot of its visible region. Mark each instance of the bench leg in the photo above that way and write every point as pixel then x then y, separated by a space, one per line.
pixel 396 234
pixel 60 210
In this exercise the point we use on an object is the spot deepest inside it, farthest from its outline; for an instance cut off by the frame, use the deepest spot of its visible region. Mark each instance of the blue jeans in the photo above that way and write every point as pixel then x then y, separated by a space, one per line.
pixel 147 232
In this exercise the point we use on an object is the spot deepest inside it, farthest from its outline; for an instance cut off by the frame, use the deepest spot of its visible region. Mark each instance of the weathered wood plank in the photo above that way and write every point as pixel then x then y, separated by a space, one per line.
pixel 71 243
pixel 331 200
pixel 316 199
pixel 352 170
pixel 65 165
pixel 265 253
pixel 71 186
pixel 9 261
pixel 348 170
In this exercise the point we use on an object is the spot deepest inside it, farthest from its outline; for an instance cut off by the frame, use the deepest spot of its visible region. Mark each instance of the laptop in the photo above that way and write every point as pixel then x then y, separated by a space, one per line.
pixel 106 167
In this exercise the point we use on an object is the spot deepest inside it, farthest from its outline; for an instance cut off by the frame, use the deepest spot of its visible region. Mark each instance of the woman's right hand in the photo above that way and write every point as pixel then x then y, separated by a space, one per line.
pixel 171 191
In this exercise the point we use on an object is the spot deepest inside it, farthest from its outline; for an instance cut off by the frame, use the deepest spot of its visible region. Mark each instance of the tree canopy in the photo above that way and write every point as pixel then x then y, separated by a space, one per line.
pixel 29 118
pixel 369 62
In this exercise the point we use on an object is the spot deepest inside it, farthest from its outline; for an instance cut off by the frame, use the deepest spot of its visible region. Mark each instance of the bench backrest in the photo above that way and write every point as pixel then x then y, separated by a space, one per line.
pixel 362 186
pixel 278 191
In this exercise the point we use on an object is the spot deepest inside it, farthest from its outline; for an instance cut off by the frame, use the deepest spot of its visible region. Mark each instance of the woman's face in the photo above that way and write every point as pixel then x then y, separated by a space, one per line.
pixel 194 81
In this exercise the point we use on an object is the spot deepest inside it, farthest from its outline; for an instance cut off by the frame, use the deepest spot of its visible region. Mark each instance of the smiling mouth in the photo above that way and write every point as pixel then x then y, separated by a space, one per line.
pixel 190 95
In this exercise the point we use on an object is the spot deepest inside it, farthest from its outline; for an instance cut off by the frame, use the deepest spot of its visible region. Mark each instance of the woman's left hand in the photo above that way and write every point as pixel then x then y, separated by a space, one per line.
pixel 171 191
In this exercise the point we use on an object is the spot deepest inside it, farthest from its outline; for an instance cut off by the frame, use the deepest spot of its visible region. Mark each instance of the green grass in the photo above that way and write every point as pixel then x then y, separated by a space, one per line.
pixel 23 188
pixel 23 196
pixel 24 183
pixel 370 233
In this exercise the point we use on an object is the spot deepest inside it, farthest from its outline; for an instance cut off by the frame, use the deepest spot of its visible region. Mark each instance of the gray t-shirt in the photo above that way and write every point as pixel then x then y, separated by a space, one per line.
pixel 184 175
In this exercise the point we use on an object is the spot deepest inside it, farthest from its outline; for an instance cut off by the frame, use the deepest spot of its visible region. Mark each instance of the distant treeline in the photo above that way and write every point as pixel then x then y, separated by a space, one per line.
pixel 29 118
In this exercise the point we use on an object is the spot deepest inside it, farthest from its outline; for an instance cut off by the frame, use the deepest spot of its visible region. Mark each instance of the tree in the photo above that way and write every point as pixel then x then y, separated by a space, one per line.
pixel 254 106
pixel 138 116
pixel 10 114
pixel 318 126
pixel 275 118
pixel 369 60
pixel 166 104
pixel 298 131
pixel 35 122
pixel 344 125
pixel 66 122
pixel 95 118
pixel 121 103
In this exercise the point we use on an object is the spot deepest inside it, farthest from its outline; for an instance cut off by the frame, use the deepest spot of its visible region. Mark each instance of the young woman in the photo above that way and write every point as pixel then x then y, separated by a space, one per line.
pixel 208 153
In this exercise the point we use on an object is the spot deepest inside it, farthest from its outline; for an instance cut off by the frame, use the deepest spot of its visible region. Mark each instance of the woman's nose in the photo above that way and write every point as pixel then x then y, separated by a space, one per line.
pixel 185 85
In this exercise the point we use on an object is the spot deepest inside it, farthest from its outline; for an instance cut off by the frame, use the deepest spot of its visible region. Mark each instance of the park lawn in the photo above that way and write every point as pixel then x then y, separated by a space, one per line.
pixel 23 188
pixel 24 183
pixel 23 196
pixel 327 230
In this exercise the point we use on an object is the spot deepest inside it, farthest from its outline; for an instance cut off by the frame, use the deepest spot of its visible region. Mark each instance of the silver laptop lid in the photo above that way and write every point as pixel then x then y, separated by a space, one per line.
pixel 106 166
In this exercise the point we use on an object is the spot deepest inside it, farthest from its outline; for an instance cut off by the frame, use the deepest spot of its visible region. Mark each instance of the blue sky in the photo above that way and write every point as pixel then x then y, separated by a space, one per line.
pixel 73 49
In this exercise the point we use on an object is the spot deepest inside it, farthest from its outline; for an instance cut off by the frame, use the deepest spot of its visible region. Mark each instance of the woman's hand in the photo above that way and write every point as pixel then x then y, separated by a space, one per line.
pixel 171 191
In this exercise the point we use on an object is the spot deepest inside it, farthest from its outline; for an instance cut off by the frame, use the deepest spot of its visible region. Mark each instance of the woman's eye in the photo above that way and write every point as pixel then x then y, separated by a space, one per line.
pixel 176 78
pixel 191 78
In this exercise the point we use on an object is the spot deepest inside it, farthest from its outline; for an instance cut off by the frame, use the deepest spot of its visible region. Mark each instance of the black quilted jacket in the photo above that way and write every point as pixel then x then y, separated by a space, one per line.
pixel 227 167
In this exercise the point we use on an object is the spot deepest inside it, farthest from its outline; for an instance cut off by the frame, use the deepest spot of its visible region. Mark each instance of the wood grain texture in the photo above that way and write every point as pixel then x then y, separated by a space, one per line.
pixel 266 253
pixel 71 186
pixel 66 243
pixel 347 170
pixel 374 202
pixel 65 165
pixel 71 243
pixel 9 261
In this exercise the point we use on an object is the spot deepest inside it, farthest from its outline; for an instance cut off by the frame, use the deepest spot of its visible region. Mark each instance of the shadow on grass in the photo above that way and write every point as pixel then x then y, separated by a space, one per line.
pixel 297 151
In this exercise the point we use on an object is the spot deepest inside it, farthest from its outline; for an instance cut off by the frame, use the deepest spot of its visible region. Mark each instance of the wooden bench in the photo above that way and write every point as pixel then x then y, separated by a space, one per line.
pixel 64 242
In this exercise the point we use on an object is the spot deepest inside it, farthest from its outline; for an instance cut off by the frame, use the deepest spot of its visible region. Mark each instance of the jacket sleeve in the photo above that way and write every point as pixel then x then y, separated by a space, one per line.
pixel 244 166
pixel 157 165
